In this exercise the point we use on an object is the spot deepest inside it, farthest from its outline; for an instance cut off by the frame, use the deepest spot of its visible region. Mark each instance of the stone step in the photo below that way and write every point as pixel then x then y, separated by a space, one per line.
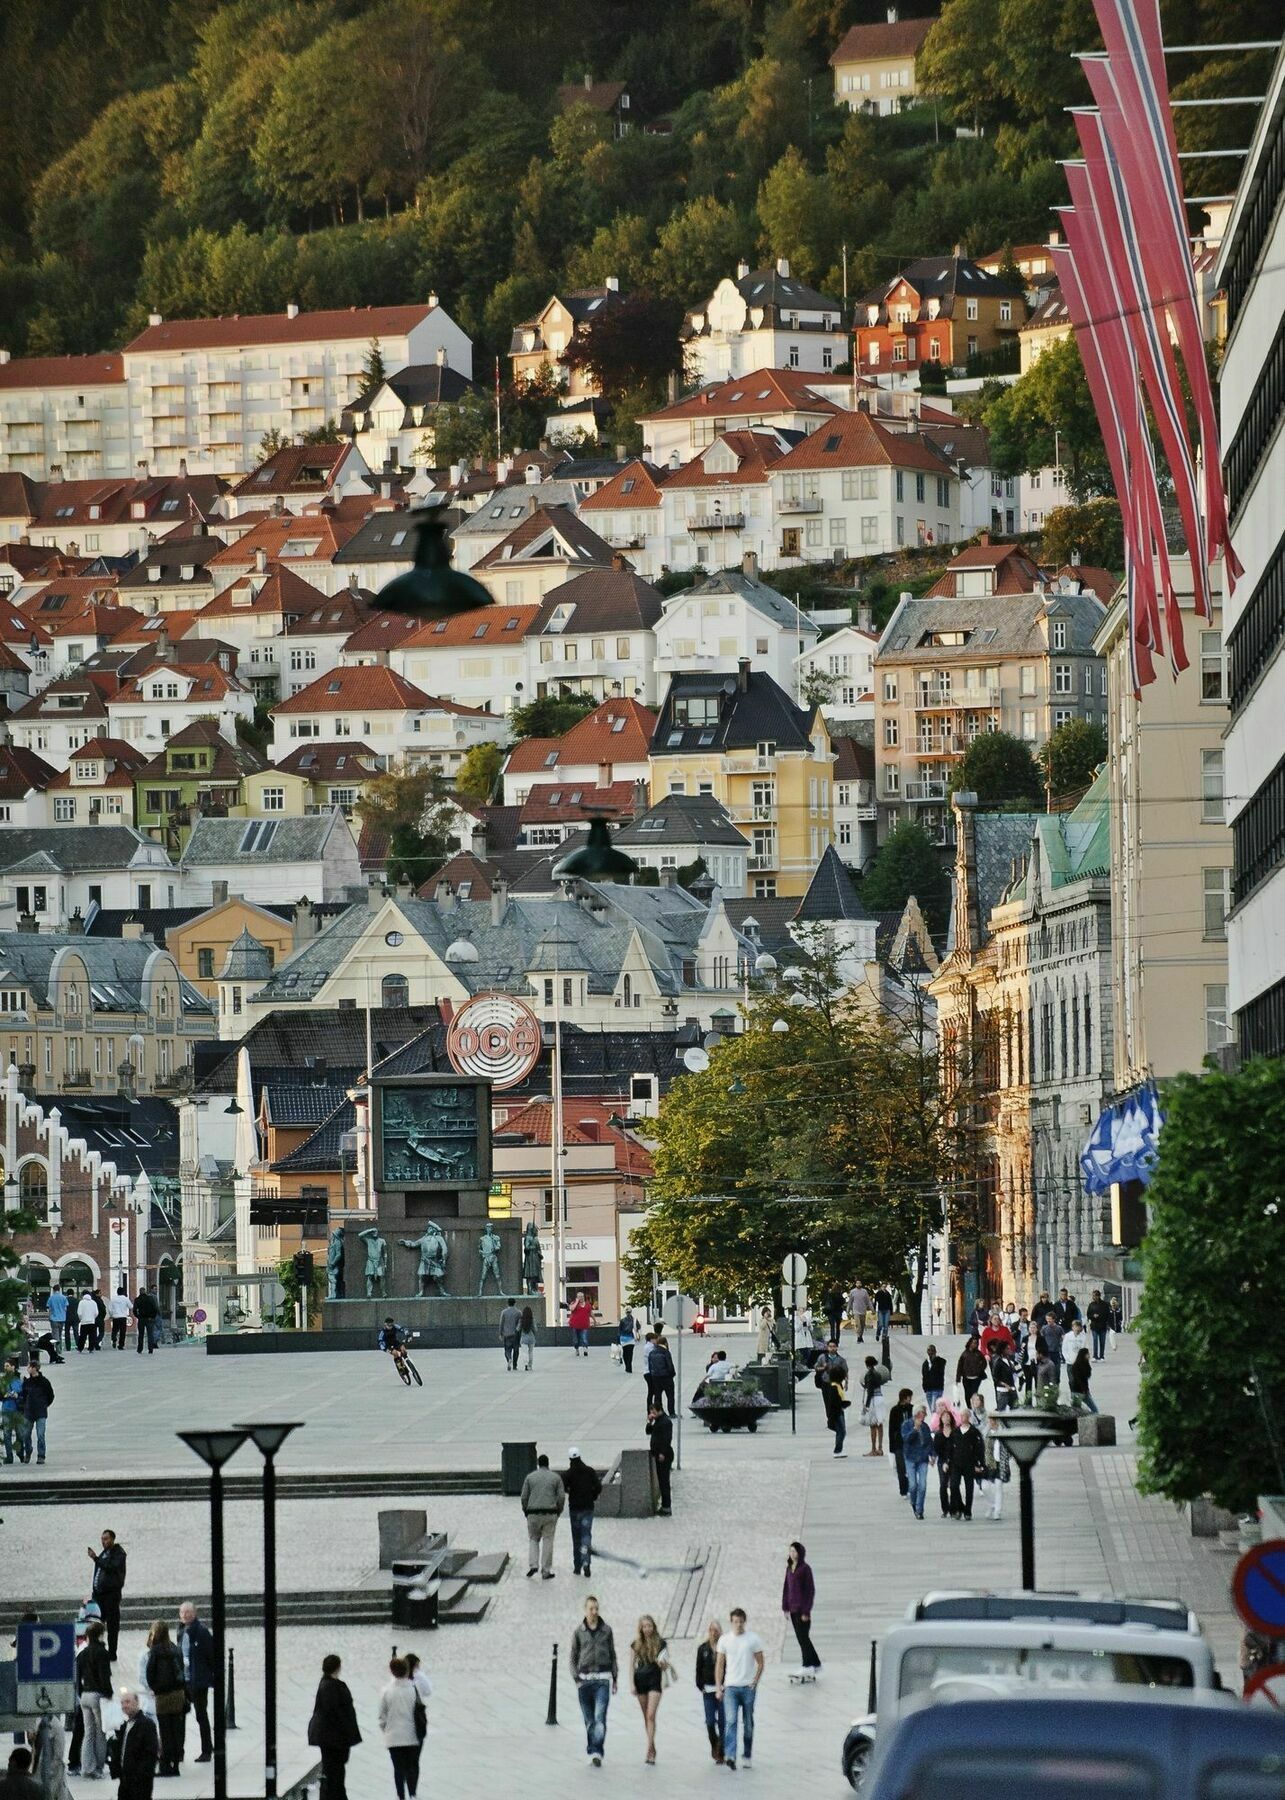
pixel 457 1604
pixel 36 1490
pixel 356 1606
pixel 486 1568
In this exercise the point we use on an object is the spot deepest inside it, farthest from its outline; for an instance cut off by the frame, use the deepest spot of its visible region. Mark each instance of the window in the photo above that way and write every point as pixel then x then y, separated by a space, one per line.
pixel 33 1185
pixel 1213 666
pixel 274 799
pixel 943 491
pixel 1088 678
pixel 869 528
pixel 890 734
pixel 394 990
pixel 302 659
pixel 1062 673
pixel 1217 896
pixel 64 811
pixel 899 484
pixel 1217 1035
pixel 794 356
pixel 1212 810
pixel 838 531
pixel 1062 715
pixel 892 779
pixel 970 308
pixel 1028 727
pixel 920 488
pixel 205 965
pixel 1005 312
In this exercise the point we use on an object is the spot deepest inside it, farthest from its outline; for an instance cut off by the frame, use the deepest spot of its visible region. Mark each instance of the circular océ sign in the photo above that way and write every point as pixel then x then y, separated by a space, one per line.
pixel 496 1038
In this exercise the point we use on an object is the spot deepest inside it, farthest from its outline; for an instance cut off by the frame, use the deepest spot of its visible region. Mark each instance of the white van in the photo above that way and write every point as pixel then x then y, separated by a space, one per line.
pixel 972 1646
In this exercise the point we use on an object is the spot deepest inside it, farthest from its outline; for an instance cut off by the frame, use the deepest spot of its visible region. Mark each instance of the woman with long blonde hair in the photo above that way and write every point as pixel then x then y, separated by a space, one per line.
pixel 648 1666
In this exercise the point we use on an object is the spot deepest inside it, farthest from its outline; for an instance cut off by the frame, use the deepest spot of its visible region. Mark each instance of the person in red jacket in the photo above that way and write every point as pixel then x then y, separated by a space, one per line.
pixel 579 1319
pixel 997 1336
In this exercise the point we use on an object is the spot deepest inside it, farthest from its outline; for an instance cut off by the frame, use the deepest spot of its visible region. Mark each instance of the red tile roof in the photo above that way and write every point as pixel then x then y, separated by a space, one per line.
pixel 279 591
pixel 97 621
pixel 855 439
pixel 21 770
pixel 619 494
pixel 380 633
pixel 1015 573
pixel 293 468
pixel 325 762
pixel 321 532
pixel 483 625
pixel 756 451
pixel 870 43
pixel 601 96
pixel 174 624
pixel 462 867
pixel 1097 580
pixel 75 592
pixel 548 804
pixel 17 628
pixel 591 741
pixel 98 370
pixel 363 322
pixel 583 1122
pixel 208 682
pixel 763 393
pixel 370 690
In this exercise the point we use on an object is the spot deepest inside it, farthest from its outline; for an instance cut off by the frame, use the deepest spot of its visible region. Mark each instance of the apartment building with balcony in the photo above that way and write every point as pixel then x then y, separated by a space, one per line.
pixel 731 615
pixel 596 634
pixel 68 412
pixel 764 319
pixel 741 740
pixel 608 746
pixel 939 309
pixel 785 399
pixel 949 669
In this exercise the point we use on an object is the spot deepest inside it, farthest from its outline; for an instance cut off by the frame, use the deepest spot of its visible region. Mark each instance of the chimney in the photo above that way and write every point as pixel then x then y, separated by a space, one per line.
pixel 131 930
pixel 76 924
pixel 352 581
pixel 477 841
pixel 750 564
pixel 957 250
pixel 783 266
pixel 432 301
pixel 304 922
pixel 141 468
pixel 292 310
pixel 444 895
pixel 1075 559
pixel 669 878
pixel 1055 236
pixel 454 474
pixel 55 471
pixel 671 388
pixel 640 796
pixel 218 893
pixel 533 474
pixel 260 561
pixel 590 1129
pixel 604 774
pixel 182 468
pixel 154 318
pixel 441 356
pixel 375 896
pixel 499 902
pixel 27 923
pixel 865 616
pixel 618 561
pixel 73 548
pixel 743 675
pixel 984 536
pixel 620 452
pixel 278 507
pixel 892 15
pixel 742 269
pixel 612 284
pixel 503 469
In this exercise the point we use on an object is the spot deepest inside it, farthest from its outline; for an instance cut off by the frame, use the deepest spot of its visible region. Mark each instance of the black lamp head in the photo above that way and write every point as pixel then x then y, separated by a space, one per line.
pixel 597 859
pixel 432 589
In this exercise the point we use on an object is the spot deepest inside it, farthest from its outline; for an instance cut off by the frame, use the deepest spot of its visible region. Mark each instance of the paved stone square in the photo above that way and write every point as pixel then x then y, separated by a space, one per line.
pixel 738 1501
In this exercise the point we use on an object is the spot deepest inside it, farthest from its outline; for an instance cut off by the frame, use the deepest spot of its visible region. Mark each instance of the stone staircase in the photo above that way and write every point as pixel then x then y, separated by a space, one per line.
pixel 425 1568
pixel 29 1489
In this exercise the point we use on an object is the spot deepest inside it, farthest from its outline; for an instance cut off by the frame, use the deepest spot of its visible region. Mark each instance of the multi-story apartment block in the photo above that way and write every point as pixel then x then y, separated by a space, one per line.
pixel 855 487
pixel 376 707
pixel 731 615
pixel 1252 403
pixel 595 634
pixel 940 309
pixel 610 745
pixel 764 319
pixel 947 670
pixel 874 65
pixel 68 412
pixel 837 672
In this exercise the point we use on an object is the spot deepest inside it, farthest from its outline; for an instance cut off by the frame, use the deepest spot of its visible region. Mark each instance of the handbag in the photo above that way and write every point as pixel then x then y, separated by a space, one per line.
pixel 615 1353
pixel 171 1704
pixel 421 1719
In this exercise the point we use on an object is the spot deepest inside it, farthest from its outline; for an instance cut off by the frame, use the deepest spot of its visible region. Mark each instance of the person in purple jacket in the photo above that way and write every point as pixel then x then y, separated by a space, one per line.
pixel 796 1599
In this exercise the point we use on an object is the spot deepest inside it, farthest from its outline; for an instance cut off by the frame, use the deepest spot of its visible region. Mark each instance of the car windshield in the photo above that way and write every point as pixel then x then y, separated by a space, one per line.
pixel 934 1669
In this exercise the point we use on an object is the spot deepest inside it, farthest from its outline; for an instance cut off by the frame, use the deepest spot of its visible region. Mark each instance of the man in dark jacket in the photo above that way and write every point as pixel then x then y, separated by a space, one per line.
pixel 19 1783
pixel 583 1488
pixel 37 1398
pixel 831 1376
pixel 1099 1315
pixel 146 1313
pixel 933 1377
pixel 660 1430
pixel 899 1415
pixel 109 1583
pixel 196 1646
pixel 333 1728
pixel 135 1750
pixel 660 1367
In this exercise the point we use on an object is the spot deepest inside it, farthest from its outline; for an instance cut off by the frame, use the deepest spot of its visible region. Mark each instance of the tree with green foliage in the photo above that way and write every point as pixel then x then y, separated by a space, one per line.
pixel 1092 533
pixel 1212 1406
pixel 415 808
pixel 550 715
pixel 13 1289
pixel 373 372
pixel 908 864
pixel 1071 757
pixel 796 217
pixel 479 772
pixel 1047 418
pixel 630 346
pixel 1001 771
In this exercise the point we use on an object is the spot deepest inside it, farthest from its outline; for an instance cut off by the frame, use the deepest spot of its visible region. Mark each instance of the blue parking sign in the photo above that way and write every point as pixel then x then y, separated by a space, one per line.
pixel 46 1667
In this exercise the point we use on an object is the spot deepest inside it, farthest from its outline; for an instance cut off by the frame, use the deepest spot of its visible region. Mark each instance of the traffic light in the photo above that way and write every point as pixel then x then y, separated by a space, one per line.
pixel 302 1265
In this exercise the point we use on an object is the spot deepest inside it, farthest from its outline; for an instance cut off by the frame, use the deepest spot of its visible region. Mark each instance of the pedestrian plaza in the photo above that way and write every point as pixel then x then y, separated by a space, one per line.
pixel 738 1501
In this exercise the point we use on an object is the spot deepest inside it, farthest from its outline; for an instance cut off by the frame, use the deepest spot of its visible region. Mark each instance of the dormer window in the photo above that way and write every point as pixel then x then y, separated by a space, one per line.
pixel 137 510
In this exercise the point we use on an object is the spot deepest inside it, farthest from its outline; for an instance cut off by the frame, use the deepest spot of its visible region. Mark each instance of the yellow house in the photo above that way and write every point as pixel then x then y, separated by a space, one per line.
pixel 312 779
pixel 874 65
pixel 544 340
pixel 200 947
pixel 740 738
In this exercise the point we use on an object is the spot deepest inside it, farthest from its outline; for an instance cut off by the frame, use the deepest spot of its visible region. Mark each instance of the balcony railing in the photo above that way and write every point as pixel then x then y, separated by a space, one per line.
pixel 920 792
pixel 965 699
pixel 757 864
pixel 806 503
pixel 728 521
pixel 78 1078
pixel 868 815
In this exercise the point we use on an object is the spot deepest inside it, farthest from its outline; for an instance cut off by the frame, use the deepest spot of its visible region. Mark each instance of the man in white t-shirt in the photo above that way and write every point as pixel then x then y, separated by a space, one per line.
pixel 737 1673
pixel 118 1310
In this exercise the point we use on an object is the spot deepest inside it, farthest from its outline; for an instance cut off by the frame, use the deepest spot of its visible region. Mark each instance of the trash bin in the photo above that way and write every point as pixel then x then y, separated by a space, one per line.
pixel 516 1463
pixel 414 1597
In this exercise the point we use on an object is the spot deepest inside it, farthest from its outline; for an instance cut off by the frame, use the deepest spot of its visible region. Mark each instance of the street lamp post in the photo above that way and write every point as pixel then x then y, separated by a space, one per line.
pixel 214 1449
pixel 268 1439
pixel 1027 1433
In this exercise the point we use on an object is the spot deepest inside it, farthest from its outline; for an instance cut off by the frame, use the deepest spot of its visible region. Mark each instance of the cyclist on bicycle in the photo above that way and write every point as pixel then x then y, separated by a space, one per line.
pixel 392 1336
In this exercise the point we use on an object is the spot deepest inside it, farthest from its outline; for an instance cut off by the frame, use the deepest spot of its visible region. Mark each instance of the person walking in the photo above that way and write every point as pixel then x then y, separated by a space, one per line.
pixel 109 1584
pixel 707 1685
pixel 595 1671
pixel 93 1686
pixel 970 1370
pixel 37 1398
pixel 526 1337
pixel 1078 1375
pixel 583 1486
pixel 543 1498
pixel 798 1595
pixel 898 1416
pixel 737 1674
pixel 648 1666
pixel 763 1343
pixel 1099 1317
pixel 627 1337
pixel 198 1650
pixel 944 1451
pixel 580 1318
pixel 916 1453
pixel 1073 1341
pixel 998 1464
pixel 660 1434
pixel 333 1728
pixel 1004 1376
pixel 1051 1335
pixel 858 1307
pixel 664 1372
pixel 883 1311
pixel 59 1315
pixel 874 1407
pixel 400 1711
pixel 831 1376
pixel 146 1314
pixel 832 1307
pixel 967 1461
pixel 134 1751
pixel 100 1307
pixel 996 1335
pixel 424 1693
pixel 165 1678
pixel 118 1310
pixel 511 1333
pixel 933 1376
pixel 11 1411
pixel 86 1322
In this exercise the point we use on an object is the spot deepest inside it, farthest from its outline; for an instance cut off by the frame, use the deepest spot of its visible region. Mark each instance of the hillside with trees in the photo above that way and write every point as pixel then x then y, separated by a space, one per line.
pixel 197 157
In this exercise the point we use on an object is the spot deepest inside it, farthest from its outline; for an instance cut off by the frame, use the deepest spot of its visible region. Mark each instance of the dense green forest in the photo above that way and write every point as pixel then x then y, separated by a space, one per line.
pixel 206 157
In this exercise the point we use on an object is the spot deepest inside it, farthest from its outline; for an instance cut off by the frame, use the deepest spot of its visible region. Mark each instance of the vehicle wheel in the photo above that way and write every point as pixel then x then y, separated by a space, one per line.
pixel 415 1375
pixel 752 1425
pixel 856 1761
pixel 404 1372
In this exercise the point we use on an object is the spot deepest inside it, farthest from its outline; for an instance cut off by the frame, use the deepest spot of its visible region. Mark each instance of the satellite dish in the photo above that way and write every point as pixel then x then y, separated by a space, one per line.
pixel 729 686
pixel 696 1060
pixel 713 1039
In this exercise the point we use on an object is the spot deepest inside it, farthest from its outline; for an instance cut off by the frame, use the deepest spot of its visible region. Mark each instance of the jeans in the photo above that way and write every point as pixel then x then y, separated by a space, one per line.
pixel 627 1358
pixel 738 1701
pixel 713 1715
pixel 1099 1344
pixel 836 1419
pixel 931 1397
pixel 510 1353
pixel 145 1336
pixel 594 1694
pixel 883 1323
pixel 917 1486
pixel 582 1539
pixel 1084 1400
pixel 10 1433
pixel 1005 1397
pixel 93 1748
pixel 28 1427
pixel 405 1760
pixel 580 1337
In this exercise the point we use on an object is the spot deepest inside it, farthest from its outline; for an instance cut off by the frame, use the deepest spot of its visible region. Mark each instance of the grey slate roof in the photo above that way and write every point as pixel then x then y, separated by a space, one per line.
pixel 832 893
pixel 684 819
pixel 761 712
pixel 1001 838
pixel 1007 624
pixel 115 968
pixel 764 599
pixel 247 959
pixel 772 918
pixel 230 840
pixel 72 847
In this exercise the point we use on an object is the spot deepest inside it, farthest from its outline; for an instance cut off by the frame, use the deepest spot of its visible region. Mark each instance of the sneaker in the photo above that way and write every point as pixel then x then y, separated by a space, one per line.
pixel 746 1763
pixel 729 1762
pixel 547 1574
pixel 531 1572
pixel 596 1759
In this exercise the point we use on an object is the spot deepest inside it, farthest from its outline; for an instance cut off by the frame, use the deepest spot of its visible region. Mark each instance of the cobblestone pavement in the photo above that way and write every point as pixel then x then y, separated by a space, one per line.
pixel 738 1502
